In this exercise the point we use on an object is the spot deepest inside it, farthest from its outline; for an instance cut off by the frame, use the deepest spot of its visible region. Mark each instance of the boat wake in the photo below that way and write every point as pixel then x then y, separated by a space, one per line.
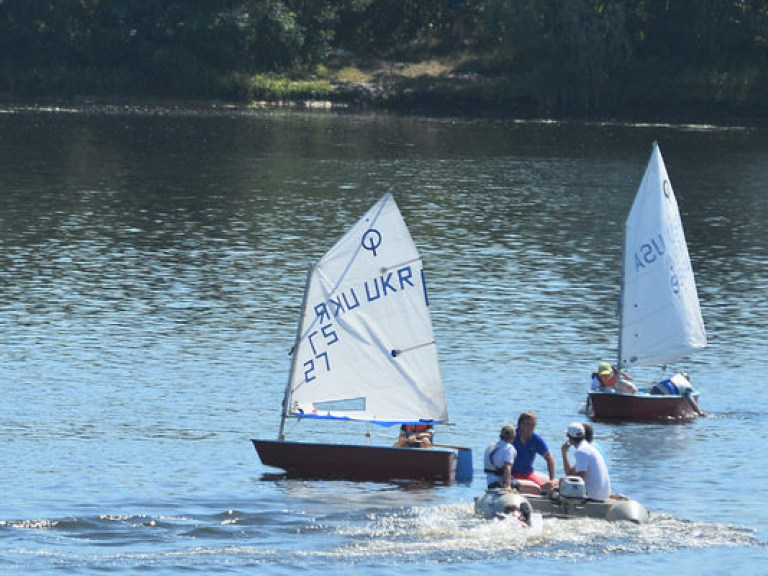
pixel 434 533
pixel 387 536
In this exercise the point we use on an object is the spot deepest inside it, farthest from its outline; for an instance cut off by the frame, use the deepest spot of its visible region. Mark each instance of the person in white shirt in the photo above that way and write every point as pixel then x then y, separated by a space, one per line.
pixel 589 464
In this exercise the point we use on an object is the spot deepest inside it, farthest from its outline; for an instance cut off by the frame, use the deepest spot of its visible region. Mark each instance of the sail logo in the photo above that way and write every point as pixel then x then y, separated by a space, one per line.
pixel 667 189
pixel 649 252
pixel 371 240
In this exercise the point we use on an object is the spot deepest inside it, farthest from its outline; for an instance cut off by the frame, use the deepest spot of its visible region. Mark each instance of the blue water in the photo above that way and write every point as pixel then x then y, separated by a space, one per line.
pixel 151 269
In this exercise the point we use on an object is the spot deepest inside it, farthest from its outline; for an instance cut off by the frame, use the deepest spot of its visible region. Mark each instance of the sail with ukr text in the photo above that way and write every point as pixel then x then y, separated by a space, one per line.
pixel 661 318
pixel 366 349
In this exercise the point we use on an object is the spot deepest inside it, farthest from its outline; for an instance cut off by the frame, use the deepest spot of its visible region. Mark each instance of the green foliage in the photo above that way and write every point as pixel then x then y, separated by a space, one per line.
pixel 556 56
pixel 571 52
pixel 274 39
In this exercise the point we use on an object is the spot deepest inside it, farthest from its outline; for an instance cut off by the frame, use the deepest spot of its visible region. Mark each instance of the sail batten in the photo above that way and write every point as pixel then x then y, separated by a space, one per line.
pixel 661 317
pixel 366 305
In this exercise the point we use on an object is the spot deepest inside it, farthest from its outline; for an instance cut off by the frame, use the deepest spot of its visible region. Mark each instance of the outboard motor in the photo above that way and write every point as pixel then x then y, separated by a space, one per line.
pixel 574 488
pixel 572 493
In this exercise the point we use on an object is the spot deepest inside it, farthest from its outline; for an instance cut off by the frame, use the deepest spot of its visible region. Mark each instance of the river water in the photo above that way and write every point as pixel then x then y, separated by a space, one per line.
pixel 151 269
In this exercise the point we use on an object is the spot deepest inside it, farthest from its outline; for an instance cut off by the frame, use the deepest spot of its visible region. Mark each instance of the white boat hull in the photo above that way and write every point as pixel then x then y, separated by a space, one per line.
pixel 496 503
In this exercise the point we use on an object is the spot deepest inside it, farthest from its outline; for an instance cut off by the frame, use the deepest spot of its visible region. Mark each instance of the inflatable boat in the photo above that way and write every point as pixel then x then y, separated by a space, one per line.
pixel 568 502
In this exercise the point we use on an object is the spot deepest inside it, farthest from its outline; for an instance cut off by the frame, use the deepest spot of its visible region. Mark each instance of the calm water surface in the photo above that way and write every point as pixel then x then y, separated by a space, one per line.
pixel 151 269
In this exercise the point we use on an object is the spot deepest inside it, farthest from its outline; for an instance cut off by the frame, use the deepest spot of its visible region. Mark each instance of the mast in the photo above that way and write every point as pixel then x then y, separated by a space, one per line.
pixel 621 314
pixel 287 396
pixel 622 281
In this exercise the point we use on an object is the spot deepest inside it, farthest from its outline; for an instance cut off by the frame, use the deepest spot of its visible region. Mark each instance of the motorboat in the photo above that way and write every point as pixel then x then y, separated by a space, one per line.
pixel 569 501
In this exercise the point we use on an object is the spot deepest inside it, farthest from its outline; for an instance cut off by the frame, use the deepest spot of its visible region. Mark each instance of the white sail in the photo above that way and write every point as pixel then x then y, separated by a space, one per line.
pixel 367 350
pixel 660 319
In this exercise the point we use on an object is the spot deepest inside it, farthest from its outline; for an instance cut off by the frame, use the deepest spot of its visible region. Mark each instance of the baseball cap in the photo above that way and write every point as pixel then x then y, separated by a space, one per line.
pixel 575 430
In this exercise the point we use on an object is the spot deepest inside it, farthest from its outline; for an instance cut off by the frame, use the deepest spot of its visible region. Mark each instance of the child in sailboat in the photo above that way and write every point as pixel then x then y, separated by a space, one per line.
pixel 415 436
pixel 606 379
pixel 679 384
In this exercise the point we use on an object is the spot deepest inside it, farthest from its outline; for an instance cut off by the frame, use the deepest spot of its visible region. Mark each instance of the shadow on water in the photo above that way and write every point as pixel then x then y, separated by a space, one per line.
pixel 404 484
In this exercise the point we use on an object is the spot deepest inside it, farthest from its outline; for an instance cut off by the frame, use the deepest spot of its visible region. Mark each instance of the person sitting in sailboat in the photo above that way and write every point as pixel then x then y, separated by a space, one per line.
pixel 498 460
pixel 606 379
pixel 415 436
pixel 679 384
pixel 676 385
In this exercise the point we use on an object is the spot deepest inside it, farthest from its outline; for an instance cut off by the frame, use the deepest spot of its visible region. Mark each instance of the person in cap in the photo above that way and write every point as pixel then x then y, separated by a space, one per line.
pixel 528 444
pixel 589 464
pixel 605 379
pixel 498 460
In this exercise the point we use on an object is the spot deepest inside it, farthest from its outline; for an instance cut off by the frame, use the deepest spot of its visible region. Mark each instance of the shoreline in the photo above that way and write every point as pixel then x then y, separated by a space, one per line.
pixel 458 109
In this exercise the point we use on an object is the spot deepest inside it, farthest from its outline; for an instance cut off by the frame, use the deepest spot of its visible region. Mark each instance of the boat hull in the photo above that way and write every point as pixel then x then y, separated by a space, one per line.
pixel 496 503
pixel 357 462
pixel 616 508
pixel 640 407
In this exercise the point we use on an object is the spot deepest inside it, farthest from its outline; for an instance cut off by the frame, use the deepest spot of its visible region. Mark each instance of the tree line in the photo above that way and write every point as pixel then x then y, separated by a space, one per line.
pixel 571 55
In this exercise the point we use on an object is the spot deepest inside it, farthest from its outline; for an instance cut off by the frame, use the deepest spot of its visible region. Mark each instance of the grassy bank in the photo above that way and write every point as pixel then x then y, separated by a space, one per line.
pixel 459 84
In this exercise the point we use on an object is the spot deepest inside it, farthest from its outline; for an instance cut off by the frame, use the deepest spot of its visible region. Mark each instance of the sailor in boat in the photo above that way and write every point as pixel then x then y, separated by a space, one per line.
pixel 606 379
pixel 499 458
pixel 415 436
pixel 679 384
pixel 527 445
pixel 589 464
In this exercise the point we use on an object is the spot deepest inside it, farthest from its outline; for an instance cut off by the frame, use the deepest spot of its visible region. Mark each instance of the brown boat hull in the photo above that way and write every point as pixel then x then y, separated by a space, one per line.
pixel 640 407
pixel 357 462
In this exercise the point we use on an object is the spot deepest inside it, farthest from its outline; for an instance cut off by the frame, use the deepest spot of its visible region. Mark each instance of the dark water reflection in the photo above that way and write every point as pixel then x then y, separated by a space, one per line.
pixel 151 267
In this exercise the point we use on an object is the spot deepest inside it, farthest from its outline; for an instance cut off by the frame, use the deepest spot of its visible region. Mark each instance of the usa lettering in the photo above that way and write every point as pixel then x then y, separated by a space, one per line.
pixel 649 252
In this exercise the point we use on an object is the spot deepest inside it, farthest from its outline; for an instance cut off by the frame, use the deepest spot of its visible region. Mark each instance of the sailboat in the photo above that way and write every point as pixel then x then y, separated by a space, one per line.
pixel 660 318
pixel 365 351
